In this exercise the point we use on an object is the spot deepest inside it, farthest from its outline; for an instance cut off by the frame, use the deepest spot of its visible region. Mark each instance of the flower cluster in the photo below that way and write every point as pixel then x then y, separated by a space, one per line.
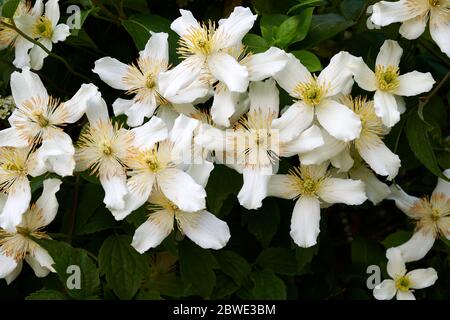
pixel 163 156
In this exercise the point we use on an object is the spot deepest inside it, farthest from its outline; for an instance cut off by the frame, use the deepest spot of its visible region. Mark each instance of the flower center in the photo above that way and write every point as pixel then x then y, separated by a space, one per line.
pixel 305 180
pixel 435 214
pixel 311 92
pixel 403 283
pixel 387 77
pixel 433 3
pixel 150 81
pixel 106 147
pixel 199 41
pixel 151 161
pixel 41 119
pixel 43 27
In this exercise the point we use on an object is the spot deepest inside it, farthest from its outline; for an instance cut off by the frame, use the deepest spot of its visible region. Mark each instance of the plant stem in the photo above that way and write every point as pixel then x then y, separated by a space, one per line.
pixel 427 98
pixel 40 45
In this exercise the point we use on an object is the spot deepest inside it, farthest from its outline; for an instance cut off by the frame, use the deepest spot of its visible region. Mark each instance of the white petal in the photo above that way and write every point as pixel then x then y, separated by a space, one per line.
pixel 16 204
pixel 200 172
pixel 305 222
pixel 417 246
pixel 157 48
pixel 380 158
pixel 405 295
pixel 413 28
pixel 414 83
pixel 115 190
pixel 266 64
pixel 193 93
pixel 292 74
pixel 233 29
pixel 76 106
pixel 396 264
pixel 386 108
pixel 184 24
pixel 254 188
pixel 338 120
pixel 181 189
pixel 44 262
pixel 37 54
pixel 7 265
pixel 152 232
pixel 52 11
pixel 402 200
pixel 337 74
pixel 204 228
pixel 182 134
pixel 308 140
pixel 385 12
pixel 97 110
pixel 26 85
pixel 226 69
pixel 264 97
pixel 21 49
pixel 386 290
pixel 390 54
pixel 112 71
pixel 364 77
pixel 280 186
pixel 343 161
pixel 10 137
pixel 14 274
pixel 442 185
pixel 120 106
pixel 224 106
pixel 60 33
pixel 211 138
pixel 422 278
pixel 376 190
pixel 440 28
pixel 57 155
pixel 140 110
pixel 151 132
pixel 293 121
pixel 331 148
pixel 348 191
pixel 47 204
pixel 180 77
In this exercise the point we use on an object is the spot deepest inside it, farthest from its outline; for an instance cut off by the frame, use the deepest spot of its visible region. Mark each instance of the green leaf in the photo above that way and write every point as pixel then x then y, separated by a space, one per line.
pixel 352 9
pixel 225 286
pixel 305 4
pixel 304 256
pixel 267 286
pixel 139 27
pixel 168 284
pixel 64 256
pixel 419 142
pixel 196 268
pixel 46 294
pixel 293 29
pixel 325 26
pixel 397 238
pixel 233 265
pixel 123 266
pixel 9 8
pixel 365 252
pixel 255 43
pixel 279 260
pixel 269 24
pixel 308 59
pixel 263 223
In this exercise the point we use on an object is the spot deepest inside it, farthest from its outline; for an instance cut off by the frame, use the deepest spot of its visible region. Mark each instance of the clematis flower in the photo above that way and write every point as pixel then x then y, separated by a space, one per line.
pixel 432 217
pixel 15 166
pixel 202 227
pixel 17 244
pixel 376 190
pixel 368 145
pixel 402 284
pixel 316 95
pixel 39 119
pixel 414 15
pixel 159 162
pixel 258 139
pixel 103 148
pixel 141 80
pixel 313 186
pixel 46 31
pixel 388 84
pixel 204 50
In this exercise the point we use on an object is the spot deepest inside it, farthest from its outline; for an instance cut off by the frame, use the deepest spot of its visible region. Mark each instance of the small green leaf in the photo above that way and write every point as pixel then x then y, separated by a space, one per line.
pixel 279 260
pixel 293 29
pixel 397 238
pixel 267 286
pixel 308 59
pixel 123 266
pixel 352 9
pixel 255 43
pixel 304 256
pixel 365 252
pixel 233 265
pixel 269 24
pixel 46 294
pixel 196 268
pixel 9 8
pixel 305 4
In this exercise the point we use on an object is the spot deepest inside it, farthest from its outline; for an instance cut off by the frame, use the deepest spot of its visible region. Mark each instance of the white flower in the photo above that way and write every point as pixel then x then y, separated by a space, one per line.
pixel 316 95
pixel 414 14
pixel 104 148
pixel 402 284
pixel 202 227
pixel 204 50
pixel 15 166
pixel 376 190
pixel 140 79
pixel 47 31
pixel 368 144
pixel 388 84
pixel 432 216
pixel 159 163
pixel 16 244
pixel 258 140
pixel 39 119
pixel 313 186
